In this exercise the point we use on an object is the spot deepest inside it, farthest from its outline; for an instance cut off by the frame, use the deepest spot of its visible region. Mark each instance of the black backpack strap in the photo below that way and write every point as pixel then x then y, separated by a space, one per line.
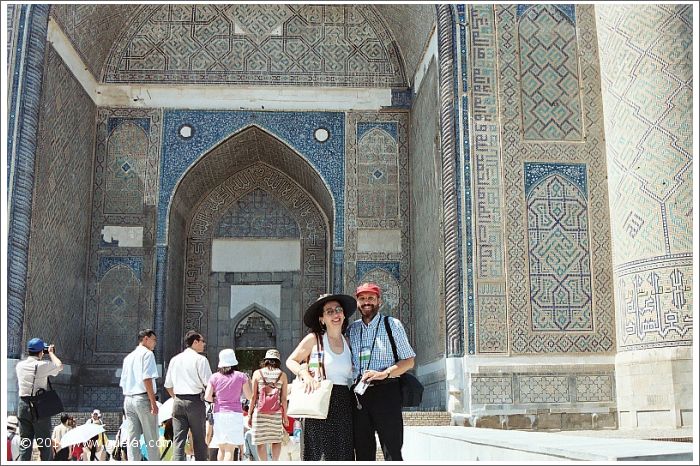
pixel 391 338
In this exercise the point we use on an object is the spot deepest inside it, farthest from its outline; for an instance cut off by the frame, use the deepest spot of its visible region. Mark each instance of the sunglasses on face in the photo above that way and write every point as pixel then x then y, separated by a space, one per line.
pixel 333 311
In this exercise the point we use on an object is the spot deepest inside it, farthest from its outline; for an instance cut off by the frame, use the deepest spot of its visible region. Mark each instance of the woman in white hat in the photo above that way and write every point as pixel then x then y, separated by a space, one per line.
pixel 267 416
pixel 224 390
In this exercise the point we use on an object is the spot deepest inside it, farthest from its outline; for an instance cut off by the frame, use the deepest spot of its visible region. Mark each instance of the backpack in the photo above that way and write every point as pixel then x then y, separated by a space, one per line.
pixel 268 396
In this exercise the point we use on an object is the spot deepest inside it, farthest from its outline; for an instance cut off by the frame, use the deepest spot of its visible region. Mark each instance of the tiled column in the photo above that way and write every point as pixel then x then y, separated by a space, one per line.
pixel 23 124
pixel 646 79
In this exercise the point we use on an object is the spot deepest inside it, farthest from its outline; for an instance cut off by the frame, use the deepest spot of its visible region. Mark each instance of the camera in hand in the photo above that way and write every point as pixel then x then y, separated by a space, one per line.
pixel 361 387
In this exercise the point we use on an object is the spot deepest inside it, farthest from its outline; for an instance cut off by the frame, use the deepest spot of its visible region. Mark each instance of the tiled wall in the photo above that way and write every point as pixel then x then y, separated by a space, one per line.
pixel 319 45
pixel 426 237
pixel 647 75
pixel 543 317
pixel 61 212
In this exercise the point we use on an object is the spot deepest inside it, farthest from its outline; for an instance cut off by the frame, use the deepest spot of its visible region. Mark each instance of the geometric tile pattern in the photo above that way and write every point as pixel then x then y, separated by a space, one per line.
pixel 106 398
pixel 205 222
pixel 60 214
pixel 489 245
pixel 118 308
pixel 93 28
pixel 377 136
pixel 127 149
pixel 595 387
pixel 318 45
pixel 549 75
pixel 132 137
pixel 492 390
pixel 544 389
pixel 257 215
pixel 597 335
pixel 377 174
pixel 426 233
pixel 559 266
pixel 135 264
pixel 647 79
pixel 565 386
pixel 462 244
pixel 568 10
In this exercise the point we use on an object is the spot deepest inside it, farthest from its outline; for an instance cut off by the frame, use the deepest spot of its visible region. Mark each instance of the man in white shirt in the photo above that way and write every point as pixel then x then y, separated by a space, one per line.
pixel 138 382
pixel 187 378
pixel 32 374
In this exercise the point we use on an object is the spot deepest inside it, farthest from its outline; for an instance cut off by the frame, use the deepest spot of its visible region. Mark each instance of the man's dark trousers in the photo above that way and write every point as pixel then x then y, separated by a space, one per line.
pixel 31 427
pixel 189 413
pixel 381 412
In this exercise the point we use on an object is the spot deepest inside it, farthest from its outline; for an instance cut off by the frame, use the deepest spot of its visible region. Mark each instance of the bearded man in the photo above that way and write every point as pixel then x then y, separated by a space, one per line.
pixel 376 372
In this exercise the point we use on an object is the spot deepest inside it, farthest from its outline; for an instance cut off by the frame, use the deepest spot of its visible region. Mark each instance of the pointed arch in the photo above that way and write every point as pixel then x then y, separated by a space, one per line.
pixel 255 327
pixel 250 159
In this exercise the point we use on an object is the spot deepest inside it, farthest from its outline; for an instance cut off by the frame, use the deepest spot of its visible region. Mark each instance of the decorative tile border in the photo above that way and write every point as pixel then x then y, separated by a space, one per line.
pixel 296 129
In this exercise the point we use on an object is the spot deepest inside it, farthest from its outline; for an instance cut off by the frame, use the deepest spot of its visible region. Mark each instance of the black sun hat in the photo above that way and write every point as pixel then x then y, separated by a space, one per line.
pixel 348 303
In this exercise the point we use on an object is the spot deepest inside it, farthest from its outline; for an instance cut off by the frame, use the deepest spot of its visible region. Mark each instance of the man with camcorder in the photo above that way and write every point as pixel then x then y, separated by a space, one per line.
pixel 32 375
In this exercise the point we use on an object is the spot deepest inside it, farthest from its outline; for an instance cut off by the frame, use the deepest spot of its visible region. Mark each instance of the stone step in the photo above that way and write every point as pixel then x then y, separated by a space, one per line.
pixel 420 418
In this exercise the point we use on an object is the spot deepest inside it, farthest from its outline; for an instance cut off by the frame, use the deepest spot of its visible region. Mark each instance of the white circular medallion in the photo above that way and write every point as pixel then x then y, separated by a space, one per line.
pixel 186 131
pixel 322 135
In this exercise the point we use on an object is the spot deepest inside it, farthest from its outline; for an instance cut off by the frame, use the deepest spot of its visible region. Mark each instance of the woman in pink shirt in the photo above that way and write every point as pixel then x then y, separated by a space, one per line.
pixel 224 390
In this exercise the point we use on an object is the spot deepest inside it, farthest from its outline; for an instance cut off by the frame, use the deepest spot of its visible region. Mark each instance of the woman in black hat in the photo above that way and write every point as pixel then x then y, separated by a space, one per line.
pixel 325 353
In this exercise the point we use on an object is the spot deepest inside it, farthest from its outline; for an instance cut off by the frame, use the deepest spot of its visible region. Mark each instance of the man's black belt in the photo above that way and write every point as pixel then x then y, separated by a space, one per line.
pixel 197 396
pixel 385 381
pixel 138 394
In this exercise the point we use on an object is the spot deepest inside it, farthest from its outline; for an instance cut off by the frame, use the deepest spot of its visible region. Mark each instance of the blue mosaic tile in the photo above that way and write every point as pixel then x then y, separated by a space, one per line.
pixel 389 127
pixel 108 262
pixel 295 129
pixel 537 171
pixel 113 122
pixel 569 10
pixel 159 297
pixel 15 84
pixel 401 98
pixel 338 261
pixel 362 267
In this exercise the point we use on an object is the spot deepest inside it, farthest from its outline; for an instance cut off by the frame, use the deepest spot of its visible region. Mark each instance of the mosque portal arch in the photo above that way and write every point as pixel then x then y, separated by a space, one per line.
pixel 249 229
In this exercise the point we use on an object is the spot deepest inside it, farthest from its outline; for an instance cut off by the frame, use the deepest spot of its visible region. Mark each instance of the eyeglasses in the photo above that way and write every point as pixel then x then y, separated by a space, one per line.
pixel 333 311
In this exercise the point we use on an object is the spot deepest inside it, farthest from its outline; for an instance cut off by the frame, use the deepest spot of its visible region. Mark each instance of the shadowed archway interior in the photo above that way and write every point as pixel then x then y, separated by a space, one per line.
pixel 247 167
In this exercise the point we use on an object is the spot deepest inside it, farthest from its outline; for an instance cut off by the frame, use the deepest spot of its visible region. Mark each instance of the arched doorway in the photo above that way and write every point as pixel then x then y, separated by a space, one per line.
pixel 256 236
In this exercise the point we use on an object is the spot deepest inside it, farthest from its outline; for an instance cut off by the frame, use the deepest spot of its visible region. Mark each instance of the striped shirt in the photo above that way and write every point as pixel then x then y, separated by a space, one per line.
pixel 382 356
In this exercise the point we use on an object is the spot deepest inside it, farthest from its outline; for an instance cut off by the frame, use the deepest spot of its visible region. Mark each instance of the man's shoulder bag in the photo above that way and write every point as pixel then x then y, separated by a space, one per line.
pixel 45 403
pixel 411 388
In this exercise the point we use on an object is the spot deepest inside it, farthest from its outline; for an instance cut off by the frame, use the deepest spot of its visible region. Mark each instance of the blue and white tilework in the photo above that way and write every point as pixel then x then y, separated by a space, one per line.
pixel 295 129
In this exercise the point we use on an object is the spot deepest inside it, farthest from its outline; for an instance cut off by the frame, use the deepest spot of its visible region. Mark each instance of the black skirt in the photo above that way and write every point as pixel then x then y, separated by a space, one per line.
pixel 330 439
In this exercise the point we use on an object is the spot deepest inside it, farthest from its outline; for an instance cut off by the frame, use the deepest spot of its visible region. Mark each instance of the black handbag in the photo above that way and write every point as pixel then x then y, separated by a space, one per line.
pixel 411 388
pixel 45 403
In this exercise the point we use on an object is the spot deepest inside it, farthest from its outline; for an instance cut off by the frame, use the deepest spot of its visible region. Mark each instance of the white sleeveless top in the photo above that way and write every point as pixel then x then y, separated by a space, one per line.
pixel 338 367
